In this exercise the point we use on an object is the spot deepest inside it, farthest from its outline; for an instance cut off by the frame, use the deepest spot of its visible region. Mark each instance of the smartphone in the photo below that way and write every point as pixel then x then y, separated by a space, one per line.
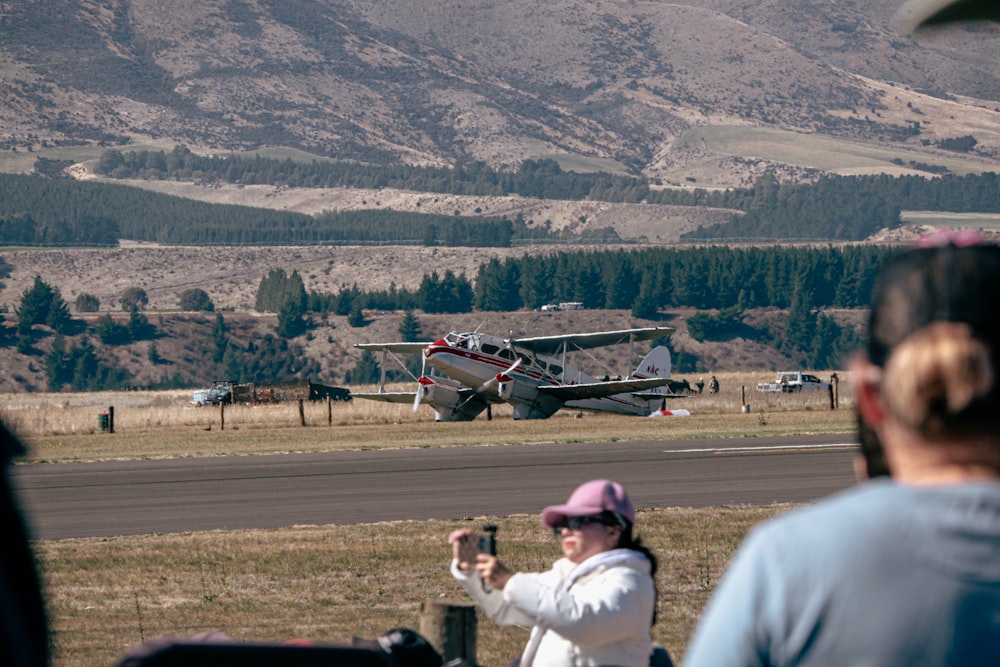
pixel 468 548
pixel 472 545
pixel 488 542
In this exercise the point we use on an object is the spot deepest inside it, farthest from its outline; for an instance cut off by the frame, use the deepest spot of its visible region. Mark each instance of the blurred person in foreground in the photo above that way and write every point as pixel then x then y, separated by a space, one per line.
pixel 595 606
pixel 902 569
pixel 24 636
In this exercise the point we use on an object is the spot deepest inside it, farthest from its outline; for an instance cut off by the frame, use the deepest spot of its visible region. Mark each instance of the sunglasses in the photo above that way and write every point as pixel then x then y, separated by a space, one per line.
pixel 577 522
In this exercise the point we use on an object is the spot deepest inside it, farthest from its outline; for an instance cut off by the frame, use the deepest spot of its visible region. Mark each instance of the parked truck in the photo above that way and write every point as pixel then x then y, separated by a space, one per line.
pixel 793 381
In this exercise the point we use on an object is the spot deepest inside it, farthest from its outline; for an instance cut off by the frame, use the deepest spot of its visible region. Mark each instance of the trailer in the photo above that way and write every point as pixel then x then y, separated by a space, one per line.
pixel 252 393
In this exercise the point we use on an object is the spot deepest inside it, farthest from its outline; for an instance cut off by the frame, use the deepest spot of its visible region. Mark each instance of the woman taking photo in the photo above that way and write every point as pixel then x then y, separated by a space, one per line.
pixel 597 603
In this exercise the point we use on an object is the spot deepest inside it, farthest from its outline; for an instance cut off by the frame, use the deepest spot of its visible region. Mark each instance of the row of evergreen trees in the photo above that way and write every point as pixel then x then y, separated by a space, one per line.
pixel 43 211
pixel 534 178
pixel 720 281
pixel 848 208
pixel 724 282
pixel 713 277
pixel 644 281
pixel 39 211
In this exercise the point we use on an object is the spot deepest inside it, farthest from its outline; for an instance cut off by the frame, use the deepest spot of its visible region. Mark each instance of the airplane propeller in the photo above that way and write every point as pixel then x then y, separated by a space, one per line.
pixel 504 377
pixel 493 380
pixel 422 381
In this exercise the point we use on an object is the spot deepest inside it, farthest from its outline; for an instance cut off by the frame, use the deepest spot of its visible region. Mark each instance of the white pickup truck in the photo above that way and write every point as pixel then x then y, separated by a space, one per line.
pixel 791 381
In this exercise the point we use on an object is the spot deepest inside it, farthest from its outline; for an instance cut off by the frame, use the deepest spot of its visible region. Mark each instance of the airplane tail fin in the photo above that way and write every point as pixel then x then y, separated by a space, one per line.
pixel 656 364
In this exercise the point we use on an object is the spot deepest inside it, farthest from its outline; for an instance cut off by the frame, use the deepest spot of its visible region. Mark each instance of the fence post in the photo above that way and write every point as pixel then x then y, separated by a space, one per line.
pixel 302 413
pixel 450 627
pixel 222 416
pixel 111 419
pixel 329 411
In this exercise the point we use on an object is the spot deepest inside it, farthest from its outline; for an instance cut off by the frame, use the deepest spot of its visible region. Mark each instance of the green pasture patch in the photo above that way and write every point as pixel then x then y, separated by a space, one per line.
pixel 990 221
pixel 585 165
pixel 822 152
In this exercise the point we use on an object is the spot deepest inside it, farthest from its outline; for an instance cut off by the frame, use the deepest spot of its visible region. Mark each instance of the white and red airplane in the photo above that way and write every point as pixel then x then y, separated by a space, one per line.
pixel 477 370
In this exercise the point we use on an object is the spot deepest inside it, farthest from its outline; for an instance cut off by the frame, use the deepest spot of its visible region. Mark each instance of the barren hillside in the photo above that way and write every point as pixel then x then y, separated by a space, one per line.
pixel 612 84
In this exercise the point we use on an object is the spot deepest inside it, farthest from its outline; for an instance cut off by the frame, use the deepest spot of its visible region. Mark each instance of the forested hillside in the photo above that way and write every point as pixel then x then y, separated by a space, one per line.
pixel 42 211
pixel 37 211
pixel 794 302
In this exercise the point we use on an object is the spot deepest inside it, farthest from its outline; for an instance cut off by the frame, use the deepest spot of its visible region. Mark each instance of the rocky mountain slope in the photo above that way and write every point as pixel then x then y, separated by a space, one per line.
pixel 630 86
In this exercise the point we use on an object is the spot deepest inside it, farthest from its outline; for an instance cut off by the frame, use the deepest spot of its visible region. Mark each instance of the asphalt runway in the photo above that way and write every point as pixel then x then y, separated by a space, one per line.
pixel 227 493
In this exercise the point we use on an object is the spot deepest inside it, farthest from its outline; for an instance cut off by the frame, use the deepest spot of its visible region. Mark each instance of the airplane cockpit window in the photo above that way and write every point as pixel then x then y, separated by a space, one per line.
pixel 506 354
pixel 525 359
pixel 555 369
pixel 489 348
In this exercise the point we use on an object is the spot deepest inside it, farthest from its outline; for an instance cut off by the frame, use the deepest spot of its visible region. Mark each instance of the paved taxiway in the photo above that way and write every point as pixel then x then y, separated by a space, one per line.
pixel 194 494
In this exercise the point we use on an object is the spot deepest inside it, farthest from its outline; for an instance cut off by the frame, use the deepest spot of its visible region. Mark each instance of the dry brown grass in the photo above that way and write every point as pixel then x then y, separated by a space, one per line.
pixel 330 583
pixel 64 427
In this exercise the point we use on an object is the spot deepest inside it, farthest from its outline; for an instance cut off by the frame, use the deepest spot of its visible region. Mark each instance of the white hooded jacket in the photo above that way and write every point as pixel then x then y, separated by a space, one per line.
pixel 588 615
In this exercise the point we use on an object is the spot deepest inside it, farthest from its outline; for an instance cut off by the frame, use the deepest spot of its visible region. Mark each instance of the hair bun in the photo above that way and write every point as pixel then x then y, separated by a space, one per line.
pixel 936 377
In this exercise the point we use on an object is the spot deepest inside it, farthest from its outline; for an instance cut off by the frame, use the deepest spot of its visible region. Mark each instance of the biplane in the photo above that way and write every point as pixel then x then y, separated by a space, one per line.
pixel 476 370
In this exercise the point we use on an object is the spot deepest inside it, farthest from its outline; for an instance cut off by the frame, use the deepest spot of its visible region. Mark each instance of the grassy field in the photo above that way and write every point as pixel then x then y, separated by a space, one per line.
pixel 989 221
pixel 822 152
pixel 330 583
pixel 64 427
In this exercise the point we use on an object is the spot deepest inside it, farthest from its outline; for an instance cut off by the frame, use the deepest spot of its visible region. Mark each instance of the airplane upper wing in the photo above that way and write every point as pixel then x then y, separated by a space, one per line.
pixel 551 344
pixel 412 347
pixel 576 392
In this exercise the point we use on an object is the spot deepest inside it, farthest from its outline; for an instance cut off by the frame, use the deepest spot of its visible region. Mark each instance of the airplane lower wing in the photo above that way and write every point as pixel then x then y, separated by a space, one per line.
pixel 409 347
pixel 386 396
pixel 576 392
pixel 450 403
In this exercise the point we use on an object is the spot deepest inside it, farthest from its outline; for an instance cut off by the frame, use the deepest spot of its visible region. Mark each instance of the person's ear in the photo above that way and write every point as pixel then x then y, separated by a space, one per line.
pixel 866 379
pixel 860 468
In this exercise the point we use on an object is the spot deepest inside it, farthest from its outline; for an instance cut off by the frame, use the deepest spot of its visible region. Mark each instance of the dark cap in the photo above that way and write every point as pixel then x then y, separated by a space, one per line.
pixel 405 648
pixel 945 283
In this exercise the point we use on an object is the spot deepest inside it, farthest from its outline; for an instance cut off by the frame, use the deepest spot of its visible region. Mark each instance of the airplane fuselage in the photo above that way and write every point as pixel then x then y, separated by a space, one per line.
pixel 480 360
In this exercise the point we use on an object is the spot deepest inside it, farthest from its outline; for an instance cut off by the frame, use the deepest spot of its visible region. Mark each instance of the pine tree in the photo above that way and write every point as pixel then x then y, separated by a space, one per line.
pixel 219 338
pixel 409 328
pixel 366 371
pixel 291 319
pixel 42 304
pixel 356 318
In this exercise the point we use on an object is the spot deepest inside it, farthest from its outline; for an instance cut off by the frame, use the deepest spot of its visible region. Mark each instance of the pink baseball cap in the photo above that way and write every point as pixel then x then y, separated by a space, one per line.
pixel 590 498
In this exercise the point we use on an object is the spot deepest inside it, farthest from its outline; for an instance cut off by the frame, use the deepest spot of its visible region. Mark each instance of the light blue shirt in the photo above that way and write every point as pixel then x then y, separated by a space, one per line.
pixel 881 574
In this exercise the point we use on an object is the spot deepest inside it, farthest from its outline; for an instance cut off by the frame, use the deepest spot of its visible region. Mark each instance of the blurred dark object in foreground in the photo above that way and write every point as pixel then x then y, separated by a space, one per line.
pixel 24 636
pixel 917 14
